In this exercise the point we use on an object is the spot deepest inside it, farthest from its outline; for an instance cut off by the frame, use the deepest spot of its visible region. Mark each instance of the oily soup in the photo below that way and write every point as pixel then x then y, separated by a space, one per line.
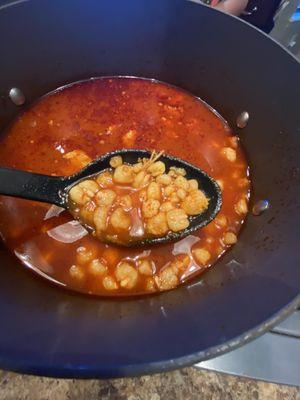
pixel 67 129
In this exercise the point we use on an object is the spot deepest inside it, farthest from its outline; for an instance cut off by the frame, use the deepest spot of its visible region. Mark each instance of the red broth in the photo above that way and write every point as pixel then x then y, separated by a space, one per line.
pixel 66 129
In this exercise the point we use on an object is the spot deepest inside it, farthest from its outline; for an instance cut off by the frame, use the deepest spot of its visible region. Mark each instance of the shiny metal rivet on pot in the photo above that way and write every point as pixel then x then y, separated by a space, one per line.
pixel 17 96
pixel 260 207
pixel 243 119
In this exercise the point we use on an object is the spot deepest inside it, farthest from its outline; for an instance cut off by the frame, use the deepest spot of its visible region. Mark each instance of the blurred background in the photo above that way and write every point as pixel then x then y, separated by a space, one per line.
pixel 287 25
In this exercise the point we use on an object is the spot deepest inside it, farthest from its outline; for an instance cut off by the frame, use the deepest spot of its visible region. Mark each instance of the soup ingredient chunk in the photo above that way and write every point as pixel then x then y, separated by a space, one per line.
pixel 127 275
pixel 133 202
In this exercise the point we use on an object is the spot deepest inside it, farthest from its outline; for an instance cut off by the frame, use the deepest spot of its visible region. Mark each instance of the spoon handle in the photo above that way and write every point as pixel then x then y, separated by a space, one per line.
pixel 27 185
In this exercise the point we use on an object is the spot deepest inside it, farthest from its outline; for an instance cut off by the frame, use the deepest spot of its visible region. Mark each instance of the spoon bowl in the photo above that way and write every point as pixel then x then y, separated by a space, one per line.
pixel 55 189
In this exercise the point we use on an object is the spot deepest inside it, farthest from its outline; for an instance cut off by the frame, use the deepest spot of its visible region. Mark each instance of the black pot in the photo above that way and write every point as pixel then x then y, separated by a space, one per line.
pixel 232 66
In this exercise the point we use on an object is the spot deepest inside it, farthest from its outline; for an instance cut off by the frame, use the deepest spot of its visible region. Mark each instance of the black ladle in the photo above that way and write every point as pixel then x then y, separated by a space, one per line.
pixel 55 189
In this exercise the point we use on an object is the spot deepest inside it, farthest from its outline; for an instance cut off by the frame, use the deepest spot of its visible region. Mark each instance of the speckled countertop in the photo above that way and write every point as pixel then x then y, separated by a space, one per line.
pixel 184 384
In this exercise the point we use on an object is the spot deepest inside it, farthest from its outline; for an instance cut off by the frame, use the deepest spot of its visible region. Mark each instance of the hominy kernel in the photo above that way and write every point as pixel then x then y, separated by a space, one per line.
pixel 181 263
pixel 78 158
pixel 123 174
pixel 120 219
pixel 229 153
pixel 157 168
pixel 157 225
pixel 116 161
pixel 201 255
pixel 104 179
pixel 150 285
pixel 221 221
pixel 241 207
pixel 154 191
pixel 150 208
pixel 87 212
pixel 139 179
pixel 100 218
pixel 178 171
pixel 126 275
pixel 172 174
pixel 230 238
pixel 145 267
pixel 164 179
pixel 84 255
pixel 96 267
pixel 177 220
pixel 166 279
pixel 109 283
pixel 89 186
pixel 195 203
pixel 105 197
pixel 78 196
pixel 169 190
pixel 193 184
pixel 76 272
pixel 181 183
